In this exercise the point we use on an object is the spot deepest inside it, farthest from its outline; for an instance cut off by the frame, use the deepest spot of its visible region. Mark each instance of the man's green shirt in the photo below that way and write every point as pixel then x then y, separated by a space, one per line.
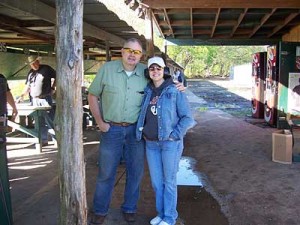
pixel 120 95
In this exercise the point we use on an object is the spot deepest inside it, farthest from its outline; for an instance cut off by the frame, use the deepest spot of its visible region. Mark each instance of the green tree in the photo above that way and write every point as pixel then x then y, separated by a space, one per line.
pixel 204 61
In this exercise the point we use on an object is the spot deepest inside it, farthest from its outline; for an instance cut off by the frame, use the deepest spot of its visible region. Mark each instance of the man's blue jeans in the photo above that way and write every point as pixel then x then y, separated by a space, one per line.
pixel 163 160
pixel 49 116
pixel 119 142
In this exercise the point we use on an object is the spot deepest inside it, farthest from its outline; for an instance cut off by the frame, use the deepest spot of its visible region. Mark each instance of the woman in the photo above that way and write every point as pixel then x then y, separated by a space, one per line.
pixel 164 119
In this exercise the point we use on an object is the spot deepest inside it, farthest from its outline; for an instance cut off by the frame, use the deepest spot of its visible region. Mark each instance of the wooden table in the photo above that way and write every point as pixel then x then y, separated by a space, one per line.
pixel 37 112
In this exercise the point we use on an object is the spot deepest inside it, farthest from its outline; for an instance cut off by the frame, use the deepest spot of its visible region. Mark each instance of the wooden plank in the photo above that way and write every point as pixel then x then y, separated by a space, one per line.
pixel 21 140
pixel 26 109
pixel 22 129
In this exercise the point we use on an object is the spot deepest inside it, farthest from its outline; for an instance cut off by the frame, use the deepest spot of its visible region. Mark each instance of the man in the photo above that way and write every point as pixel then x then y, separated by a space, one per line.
pixel 182 78
pixel 10 100
pixel 120 85
pixel 40 84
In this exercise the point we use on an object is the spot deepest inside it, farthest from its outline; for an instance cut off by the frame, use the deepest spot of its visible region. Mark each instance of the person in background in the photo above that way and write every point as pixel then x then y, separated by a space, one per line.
pixel 164 120
pixel 40 84
pixel 10 100
pixel 180 77
pixel 119 89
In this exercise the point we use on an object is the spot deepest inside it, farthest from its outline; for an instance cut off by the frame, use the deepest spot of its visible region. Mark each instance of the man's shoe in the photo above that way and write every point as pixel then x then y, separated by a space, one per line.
pixel 155 220
pixel 129 217
pixel 44 143
pixel 97 220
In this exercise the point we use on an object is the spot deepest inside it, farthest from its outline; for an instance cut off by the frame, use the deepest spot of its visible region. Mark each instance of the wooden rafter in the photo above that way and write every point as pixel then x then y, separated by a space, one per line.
pixel 22 41
pixel 191 21
pixel 215 23
pixel 286 21
pixel 14 25
pixel 241 17
pixel 262 22
pixel 156 23
pixel 176 23
pixel 169 23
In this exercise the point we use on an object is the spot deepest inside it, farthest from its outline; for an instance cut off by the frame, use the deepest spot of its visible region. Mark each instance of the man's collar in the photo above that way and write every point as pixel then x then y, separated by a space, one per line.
pixel 134 72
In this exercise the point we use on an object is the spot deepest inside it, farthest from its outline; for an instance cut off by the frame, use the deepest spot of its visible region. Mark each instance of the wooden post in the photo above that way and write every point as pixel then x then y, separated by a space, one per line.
pixel 108 53
pixel 69 111
pixel 149 34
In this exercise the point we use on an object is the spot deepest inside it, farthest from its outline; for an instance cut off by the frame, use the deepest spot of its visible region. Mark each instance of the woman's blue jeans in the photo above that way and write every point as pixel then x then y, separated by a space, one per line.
pixel 119 142
pixel 163 160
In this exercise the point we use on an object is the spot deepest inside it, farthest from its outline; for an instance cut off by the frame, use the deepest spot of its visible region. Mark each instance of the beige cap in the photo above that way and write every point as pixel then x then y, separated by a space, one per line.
pixel 33 58
pixel 156 60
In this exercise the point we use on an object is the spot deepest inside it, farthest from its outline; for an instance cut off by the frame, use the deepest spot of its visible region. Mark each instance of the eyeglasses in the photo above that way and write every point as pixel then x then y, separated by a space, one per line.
pixel 132 51
pixel 152 68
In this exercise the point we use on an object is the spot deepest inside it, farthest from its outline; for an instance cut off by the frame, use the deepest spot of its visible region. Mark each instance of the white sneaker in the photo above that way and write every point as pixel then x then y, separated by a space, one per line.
pixel 155 220
pixel 163 223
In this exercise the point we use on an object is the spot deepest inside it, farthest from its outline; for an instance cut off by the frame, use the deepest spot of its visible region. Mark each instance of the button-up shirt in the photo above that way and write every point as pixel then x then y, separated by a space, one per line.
pixel 120 95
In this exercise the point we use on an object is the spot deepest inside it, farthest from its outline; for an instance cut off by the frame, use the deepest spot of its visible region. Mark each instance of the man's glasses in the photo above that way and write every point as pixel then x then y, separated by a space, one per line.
pixel 132 51
pixel 152 68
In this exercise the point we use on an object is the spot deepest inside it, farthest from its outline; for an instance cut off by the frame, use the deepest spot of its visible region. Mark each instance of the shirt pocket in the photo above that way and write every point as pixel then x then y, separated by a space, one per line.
pixel 140 97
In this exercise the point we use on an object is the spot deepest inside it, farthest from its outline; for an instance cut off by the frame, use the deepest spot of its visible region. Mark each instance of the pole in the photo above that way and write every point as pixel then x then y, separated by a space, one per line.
pixel 5 201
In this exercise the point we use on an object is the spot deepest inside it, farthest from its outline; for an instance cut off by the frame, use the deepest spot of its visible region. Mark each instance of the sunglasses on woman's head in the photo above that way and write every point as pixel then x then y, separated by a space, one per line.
pixel 152 68
pixel 132 51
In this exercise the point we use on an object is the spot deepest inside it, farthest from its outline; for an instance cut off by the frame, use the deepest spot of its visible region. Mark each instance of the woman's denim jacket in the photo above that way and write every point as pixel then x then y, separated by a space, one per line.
pixel 173 114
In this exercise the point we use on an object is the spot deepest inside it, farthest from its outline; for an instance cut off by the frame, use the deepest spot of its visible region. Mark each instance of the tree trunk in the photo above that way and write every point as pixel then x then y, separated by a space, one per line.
pixel 68 121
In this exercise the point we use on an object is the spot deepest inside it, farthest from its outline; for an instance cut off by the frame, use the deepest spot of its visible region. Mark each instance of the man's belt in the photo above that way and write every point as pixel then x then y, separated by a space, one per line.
pixel 122 124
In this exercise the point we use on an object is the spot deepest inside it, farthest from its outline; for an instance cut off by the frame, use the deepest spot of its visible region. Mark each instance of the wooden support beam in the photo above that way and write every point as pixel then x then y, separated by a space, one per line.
pixel 215 23
pixel 108 53
pixel 69 55
pixel 241 17
pixel 24 41
pixel 191 22
pixel 285 22
pixel 168 22
pixel 149 32
pixel 157 25
pixel 262 22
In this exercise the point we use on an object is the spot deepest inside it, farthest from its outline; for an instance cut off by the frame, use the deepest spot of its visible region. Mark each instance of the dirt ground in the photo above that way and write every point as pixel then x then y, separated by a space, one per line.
pixel 235 152
pixel 232 151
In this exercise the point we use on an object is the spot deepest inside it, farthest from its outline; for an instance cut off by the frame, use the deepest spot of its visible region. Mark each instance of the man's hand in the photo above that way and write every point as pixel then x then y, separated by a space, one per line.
pixel 14 114
pixel 180 86
pixel 103 126
pixel 20 99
